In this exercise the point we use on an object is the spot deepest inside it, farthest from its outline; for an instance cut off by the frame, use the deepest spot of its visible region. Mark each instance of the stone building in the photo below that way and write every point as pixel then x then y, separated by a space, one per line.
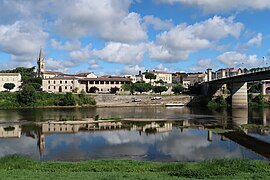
pixel 192 79
pixel 14 78
pixel 160 75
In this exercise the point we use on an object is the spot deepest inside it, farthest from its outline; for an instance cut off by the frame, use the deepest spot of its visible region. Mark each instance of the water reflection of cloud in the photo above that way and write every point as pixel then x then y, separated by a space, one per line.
pixel 190 146
pixel 23 145
pixel 121 137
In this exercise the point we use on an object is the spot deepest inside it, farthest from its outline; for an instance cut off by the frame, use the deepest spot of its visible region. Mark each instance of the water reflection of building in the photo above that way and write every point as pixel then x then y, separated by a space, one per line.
pixel 75 126
pixel 13 131
pixel 158 127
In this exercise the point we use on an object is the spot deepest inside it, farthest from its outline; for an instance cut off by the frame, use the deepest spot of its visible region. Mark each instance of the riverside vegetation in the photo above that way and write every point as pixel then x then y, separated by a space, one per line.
pixel 18 167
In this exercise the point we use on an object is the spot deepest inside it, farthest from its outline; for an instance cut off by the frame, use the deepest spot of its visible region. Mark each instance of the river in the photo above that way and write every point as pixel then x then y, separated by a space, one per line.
pixel 184 134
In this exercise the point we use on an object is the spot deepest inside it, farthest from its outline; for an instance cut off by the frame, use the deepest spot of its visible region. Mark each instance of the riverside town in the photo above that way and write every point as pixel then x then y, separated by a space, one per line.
pixel 131 89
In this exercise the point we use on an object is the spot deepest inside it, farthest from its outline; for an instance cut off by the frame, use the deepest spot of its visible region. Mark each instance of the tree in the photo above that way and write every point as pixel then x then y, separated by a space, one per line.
pixel 27 95
pixel 128 87
pixel 177 89
pixel 113 90
pixel 9 86
pixel 160 81
pixel 37 86
pixel 159 89
pixel 67 100
pixel 150 76
pixel 142 87
pixel 93 89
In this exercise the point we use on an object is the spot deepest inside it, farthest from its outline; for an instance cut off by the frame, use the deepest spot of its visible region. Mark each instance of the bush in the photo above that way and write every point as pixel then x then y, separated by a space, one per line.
pixel 27 96
pixel 68 100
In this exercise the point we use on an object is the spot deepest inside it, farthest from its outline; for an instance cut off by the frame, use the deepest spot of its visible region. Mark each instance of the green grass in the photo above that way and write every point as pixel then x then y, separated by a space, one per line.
pixel 18 167
pixel 255 126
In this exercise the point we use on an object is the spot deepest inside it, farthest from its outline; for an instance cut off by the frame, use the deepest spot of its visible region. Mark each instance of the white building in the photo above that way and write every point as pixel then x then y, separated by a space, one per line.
pixel 14 78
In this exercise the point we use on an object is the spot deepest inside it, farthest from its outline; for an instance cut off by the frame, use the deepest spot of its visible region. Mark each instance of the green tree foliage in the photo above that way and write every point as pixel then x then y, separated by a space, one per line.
pixel 177 89
pixel 68 100
pixel 113 90
pixel 259 99
pixel 142 87
pixel 159 89
pixel 93 89
pixel 254 88
pixel 128 87
pixel 37 86
pixel 160 81
pixel 85 99
pixel 27 96
pixel 9 86
pixel 150 76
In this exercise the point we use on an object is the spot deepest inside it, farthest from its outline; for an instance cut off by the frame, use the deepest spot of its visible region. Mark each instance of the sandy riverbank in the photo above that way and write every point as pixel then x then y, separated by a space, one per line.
pixel 108 100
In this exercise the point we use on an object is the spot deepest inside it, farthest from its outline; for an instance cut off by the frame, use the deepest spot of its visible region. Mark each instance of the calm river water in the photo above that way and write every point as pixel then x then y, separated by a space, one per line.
pixel 184 134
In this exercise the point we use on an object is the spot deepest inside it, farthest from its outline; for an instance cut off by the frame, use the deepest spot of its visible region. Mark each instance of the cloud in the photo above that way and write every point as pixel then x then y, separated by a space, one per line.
pixel 107 19
pixel 162 68
pixel 157 23
pixel 182 40
pixel 13 64
pixel 202 65
pixel 121 53
pixel 58 65
pixel 82 54
pixel 256 40
pixel 217 28
pixel 21 38
pixel 69 46
pixel 132 70
pixel 222 5
pixel 94 65
pixel 235 59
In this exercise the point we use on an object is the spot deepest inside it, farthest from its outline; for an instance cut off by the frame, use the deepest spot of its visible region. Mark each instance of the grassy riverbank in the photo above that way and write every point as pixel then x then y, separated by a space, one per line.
pixel 16 167
pixel 10 100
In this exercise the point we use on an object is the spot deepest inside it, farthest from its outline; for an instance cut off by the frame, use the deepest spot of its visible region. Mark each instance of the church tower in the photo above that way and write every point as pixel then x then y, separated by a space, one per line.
pixel 40 64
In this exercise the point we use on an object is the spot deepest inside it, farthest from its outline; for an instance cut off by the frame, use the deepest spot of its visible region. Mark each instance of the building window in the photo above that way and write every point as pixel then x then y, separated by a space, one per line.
pixel 53 82
pixel 49 82
pixel 96 82
pixel 49 87
pixel 70 87
pixel 65 87
pixel 60 82
pixel 54 87
pixel 101 82
pixel 66 82
pixel 71 81
pixel 91 82
pixel 107 82
pixel 116 82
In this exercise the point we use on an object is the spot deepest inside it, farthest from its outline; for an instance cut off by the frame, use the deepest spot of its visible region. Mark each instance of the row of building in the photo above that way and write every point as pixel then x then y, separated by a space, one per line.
pixel 89 82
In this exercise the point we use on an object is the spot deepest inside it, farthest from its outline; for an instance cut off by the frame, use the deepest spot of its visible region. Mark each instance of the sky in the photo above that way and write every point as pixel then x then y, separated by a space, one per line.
pixel 121 37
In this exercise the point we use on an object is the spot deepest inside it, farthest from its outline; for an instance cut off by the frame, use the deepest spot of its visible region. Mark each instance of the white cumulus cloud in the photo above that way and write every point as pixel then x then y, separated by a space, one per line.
pixel 236 59
pixel 222 5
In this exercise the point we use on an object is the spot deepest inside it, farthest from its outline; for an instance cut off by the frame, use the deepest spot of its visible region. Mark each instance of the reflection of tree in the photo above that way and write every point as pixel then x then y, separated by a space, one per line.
pixel 31 130
pixel 150 131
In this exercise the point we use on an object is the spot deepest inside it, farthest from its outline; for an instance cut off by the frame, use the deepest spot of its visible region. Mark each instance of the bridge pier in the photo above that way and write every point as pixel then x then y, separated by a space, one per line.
pixel 239 95
pixel 263 88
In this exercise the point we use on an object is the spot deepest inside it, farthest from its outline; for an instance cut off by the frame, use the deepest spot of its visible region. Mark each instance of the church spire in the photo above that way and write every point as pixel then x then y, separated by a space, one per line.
pixel 40 64
pixel 40 53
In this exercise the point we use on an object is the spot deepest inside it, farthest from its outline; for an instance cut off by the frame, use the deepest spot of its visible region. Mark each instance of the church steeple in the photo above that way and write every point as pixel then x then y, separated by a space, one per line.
pixel 40 64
